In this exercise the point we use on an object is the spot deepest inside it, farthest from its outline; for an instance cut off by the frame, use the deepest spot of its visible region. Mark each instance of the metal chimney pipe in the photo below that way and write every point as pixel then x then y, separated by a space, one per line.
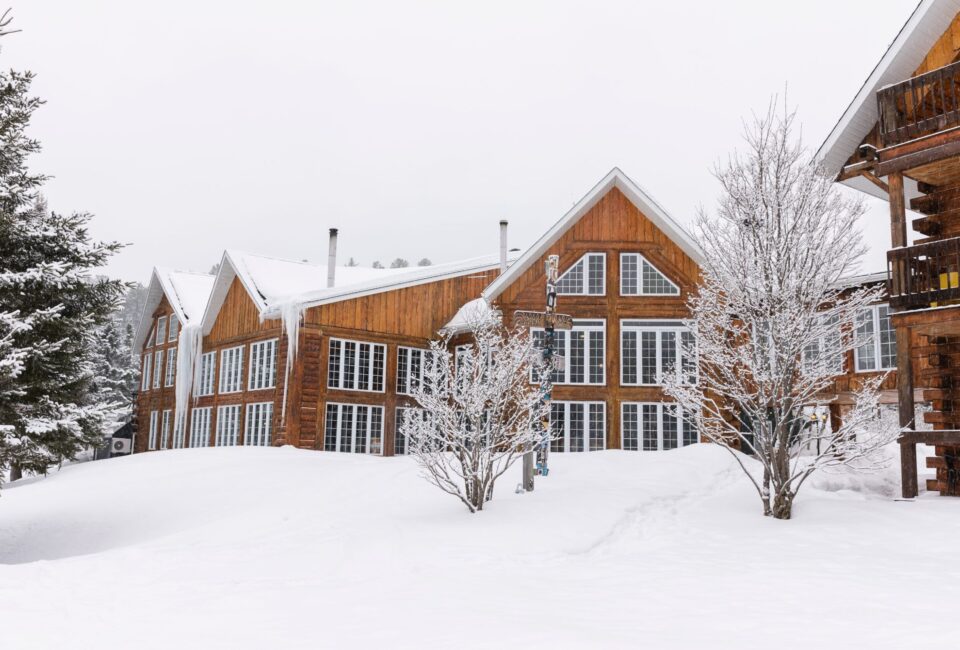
pixel 332 258
pixel 503 246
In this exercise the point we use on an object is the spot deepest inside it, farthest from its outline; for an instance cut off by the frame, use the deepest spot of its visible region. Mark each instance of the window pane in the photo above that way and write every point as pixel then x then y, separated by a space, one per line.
pixel 330 431
pixel 596 279
pixel 333 363
pixel 576 425
pixel 557 425
pixel 668 354
pixel 649 427
pixel 866 357
pixel 628 356
pixel 577 356
pixel 628 275
pixel 349 364
pixel 597 359
pixel 360 444
pixel 888 339
pixel 669 427
pixel 648 357
pixel 598 429
pixel 630 427
pixel 571 282
pixel 654 282
pixel 346 427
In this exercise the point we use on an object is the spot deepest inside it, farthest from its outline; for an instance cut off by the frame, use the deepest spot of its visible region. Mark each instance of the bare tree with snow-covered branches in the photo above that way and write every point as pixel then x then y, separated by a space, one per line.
pixel 478 411
pixel 771 321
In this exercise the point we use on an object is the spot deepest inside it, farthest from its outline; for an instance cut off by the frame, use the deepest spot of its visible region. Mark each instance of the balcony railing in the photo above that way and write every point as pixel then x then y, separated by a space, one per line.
pixel 927 275
pixel 919 106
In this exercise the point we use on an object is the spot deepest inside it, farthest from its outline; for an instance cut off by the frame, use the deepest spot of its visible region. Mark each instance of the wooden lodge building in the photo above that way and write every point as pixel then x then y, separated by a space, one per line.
pixel 899 140
pixel 626 269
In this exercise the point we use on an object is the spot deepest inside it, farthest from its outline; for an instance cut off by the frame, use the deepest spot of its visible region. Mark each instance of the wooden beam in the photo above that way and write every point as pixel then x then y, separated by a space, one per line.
pixel 908 470
pixel 948 438
pixel 898 211
pixel 919 152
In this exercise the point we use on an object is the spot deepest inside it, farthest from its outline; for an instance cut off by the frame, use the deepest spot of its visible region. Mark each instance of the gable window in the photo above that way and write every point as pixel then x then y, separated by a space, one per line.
pixel 410 365
pixel 178 432
pixel 648 349
pixel 825 354
pixel 578 426
pixel 655 426
pixel 174 328
pixel 207 367
pixel 353 428
pixel 583 352
pixel 171 368
pixel 165 430
pixel 145 376
pixel 200 427
pixel 585 278
pixel 161 330
pixel 638 277
pixel 157 367
pixel 876 339
pixel 259 424
pixel 152 440
pixel 355 365
pixel 231 365
pixel 228 425
pixel 263 364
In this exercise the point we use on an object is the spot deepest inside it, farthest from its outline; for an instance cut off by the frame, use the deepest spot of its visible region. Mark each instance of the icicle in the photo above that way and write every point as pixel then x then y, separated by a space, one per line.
pixel 291 314
pixel 190 349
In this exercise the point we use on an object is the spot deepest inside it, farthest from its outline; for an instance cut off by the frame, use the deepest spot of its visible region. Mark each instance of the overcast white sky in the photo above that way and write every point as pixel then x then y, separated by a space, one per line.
pixel 188 127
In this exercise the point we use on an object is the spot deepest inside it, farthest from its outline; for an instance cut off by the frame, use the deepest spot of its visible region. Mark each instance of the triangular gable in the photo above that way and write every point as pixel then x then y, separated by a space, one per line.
pixel 186 292
pixel 637 196
pixel 639 277
pixel 919 34
pixel 585 277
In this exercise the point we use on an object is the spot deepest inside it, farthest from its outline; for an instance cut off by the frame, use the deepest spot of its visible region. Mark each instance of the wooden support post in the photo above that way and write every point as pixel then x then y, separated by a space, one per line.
pixel 898 230
pixel 908 469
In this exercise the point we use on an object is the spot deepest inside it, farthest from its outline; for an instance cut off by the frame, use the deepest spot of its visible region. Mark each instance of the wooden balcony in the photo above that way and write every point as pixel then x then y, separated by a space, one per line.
pixel 926 275
pixel 920 106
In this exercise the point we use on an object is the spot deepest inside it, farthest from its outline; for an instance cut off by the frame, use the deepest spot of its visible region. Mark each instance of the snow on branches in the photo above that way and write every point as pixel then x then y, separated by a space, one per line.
pixel 773 324
pixel 478 410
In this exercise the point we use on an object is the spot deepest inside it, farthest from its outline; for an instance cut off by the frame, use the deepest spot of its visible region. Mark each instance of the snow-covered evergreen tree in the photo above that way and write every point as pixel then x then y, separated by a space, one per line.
pixel 115 371
pixel 424 262
pixel 48 289
pixel 377 264
pixel 399 263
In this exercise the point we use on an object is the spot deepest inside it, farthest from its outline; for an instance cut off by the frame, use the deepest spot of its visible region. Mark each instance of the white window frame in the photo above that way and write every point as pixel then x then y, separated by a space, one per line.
pixel 178 432
pixel 152 440
pixel 562 443
pixel 161 330
pixel 258 425
pixel 157 365
pixel 404 357
pixel 208 373
pixel 173 327
pixel 876 343
pixel 682 426
pixel 262 374
pixel 165 429
pixel 341 365
pixel 147 372
pixel 641 259
pixel 812 353
pixel 228 426
pixel 200 426
pixel 585 325
pixel 170 370
pixel 585 283
pixel 231 370
pixel 338 437
pixel 657 326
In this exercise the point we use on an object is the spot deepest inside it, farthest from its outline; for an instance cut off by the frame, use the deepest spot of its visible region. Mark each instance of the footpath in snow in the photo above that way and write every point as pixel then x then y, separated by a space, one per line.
pixel 282 548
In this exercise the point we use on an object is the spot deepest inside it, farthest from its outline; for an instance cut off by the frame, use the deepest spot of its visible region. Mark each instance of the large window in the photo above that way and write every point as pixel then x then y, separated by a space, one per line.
pixel 578 426
pixel 145 376
pixel 174 328
pixel 353 428
pixel 263 365
pixel 655 426
pixel 258 424
pixel 228 425
pixel 165 430
pixel 157 367
pixel 231 367
pixel 178 432
pixel 200 427
pixel 152 440
pixel 161 330
pixel 354 365
pixel 876 339
pixel 410 366
pixel 583 350
pixel 648 349
pixel 638 277
pixel 170 373
pixel 585 278
pixel 208 364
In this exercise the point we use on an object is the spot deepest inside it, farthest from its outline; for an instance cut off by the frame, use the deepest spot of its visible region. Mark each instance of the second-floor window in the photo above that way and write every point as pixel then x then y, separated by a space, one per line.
pixel 263 364
pixel 147 370
pixel 161 330
pixel 877 340
pixel 638 277
pixel 825 356
pixel 174 328
pixel 585 278
pixel 583 352
pixel 157 366
pixel 355 365
pixel 231 365
pixel 648 349
pixel 208 364
pixel 169 376
pixel 410 365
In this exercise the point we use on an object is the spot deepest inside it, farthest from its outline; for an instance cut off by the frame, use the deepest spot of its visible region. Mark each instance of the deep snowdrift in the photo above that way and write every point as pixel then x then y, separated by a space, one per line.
pixel 263 548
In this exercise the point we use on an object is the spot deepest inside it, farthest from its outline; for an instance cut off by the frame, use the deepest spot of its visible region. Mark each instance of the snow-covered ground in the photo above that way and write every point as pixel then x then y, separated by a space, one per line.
pixel 281 548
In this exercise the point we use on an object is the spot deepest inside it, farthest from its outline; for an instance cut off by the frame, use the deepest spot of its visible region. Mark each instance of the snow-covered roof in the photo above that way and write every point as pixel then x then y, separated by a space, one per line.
pixel 634 193
pixel 471 313
pixel 186 291
pixel 859 280
pixel 926 24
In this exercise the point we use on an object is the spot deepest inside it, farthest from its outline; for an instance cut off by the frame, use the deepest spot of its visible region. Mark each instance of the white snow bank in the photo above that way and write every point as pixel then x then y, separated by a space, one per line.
pixel 255 548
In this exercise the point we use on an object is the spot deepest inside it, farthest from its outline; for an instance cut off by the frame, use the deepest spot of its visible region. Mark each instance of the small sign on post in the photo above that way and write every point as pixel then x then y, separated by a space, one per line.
pixel 543 319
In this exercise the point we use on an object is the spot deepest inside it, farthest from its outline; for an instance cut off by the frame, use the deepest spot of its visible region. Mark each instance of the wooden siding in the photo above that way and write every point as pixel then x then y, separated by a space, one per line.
pixel 237 318
pixel 155 399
